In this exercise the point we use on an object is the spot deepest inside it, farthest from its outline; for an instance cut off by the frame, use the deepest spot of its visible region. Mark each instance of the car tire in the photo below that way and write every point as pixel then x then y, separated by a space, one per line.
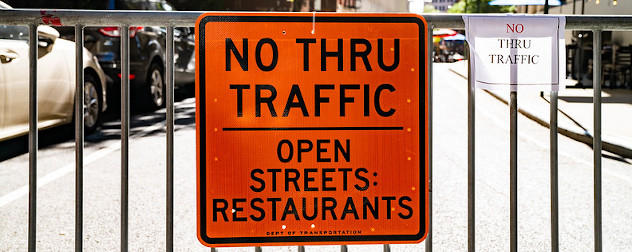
pixel 92 104
pixel 156 86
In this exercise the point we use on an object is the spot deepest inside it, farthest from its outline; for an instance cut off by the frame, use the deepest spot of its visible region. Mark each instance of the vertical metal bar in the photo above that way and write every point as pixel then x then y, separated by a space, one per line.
pixel 170 120
pixel 257 249
pixel 429 60
pixel 79 124
pixel 580 57
pixel 301 248
pixel 124 133
pixel 555 234
pixel 213 250
pixel 471 150
pixel 387 247
pixel 597 44
pixel 33 136
pixel 513 172
pixel 343 248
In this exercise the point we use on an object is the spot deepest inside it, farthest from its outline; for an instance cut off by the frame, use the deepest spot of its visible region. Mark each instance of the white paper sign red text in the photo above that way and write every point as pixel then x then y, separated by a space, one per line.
pixel 516 52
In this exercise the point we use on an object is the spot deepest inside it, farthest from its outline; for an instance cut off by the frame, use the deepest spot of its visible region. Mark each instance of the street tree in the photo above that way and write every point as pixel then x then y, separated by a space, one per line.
pixel 480 6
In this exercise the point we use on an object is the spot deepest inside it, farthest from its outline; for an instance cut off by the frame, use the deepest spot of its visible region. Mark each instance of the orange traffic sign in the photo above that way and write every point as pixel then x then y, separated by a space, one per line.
pixel 312 128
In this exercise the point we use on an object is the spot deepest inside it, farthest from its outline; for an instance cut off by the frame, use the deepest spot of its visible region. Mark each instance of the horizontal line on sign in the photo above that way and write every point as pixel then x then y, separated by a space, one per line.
pixel 312 128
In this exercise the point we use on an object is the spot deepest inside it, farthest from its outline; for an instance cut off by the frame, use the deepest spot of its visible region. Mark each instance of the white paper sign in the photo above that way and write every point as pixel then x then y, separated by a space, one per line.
pixel 516 52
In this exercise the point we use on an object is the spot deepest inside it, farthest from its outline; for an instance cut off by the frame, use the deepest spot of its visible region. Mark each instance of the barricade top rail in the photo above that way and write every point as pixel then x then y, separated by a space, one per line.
pixel 81 18
pixel 187 19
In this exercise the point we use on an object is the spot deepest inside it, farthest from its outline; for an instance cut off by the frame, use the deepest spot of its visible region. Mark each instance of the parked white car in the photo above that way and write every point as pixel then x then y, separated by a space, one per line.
pixel 55 82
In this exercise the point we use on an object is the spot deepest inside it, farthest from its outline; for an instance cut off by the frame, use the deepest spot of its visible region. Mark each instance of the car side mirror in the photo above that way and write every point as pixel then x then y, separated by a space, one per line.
pixel 46 35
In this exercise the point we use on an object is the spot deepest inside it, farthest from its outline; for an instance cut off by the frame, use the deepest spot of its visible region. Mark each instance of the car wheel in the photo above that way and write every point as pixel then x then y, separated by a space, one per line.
pixel 156 86
pixel 91 104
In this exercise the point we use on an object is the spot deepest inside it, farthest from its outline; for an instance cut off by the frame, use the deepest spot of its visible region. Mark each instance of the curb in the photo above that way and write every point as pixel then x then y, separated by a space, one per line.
pixel 583 137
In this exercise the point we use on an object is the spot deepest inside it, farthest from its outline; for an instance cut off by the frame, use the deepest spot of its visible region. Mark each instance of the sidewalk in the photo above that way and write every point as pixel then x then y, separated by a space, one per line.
pixel 575 117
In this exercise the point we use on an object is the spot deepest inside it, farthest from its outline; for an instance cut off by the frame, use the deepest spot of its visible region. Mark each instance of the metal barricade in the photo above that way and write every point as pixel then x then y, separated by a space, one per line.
pixel 124 19
pixel 597 24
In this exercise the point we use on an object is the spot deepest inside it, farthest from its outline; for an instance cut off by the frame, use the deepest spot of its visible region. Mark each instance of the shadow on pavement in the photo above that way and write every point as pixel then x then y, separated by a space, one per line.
pixel 623 96
pixel 584 99
pixel 140 117
pixel 143 117
pixel 17 146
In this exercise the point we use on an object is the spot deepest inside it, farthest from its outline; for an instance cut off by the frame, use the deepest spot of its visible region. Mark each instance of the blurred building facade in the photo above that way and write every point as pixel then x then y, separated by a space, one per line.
pixel 599 7
pixel 442 5
pixel 282 5
pixel 372 5
pixel 617 45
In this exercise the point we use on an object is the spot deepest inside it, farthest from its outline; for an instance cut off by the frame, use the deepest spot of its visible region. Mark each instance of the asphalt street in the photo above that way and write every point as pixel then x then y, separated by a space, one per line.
pixel 56 193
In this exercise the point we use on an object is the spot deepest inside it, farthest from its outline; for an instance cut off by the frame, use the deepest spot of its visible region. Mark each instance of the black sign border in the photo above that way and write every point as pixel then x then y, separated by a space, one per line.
pixel 202 134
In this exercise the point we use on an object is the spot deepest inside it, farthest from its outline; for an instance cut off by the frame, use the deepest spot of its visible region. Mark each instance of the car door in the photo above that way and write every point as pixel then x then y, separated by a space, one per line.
pixel 14 57
pixel 53 85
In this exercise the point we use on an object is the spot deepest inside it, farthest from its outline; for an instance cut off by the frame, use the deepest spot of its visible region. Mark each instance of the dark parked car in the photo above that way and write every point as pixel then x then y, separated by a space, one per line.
pixel 147 56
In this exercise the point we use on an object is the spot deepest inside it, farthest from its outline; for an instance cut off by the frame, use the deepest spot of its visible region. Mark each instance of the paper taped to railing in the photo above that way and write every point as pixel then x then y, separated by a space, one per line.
pixel 516 52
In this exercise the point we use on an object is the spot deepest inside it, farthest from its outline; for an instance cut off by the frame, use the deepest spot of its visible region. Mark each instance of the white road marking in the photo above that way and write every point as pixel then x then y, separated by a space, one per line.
pixel 24 190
